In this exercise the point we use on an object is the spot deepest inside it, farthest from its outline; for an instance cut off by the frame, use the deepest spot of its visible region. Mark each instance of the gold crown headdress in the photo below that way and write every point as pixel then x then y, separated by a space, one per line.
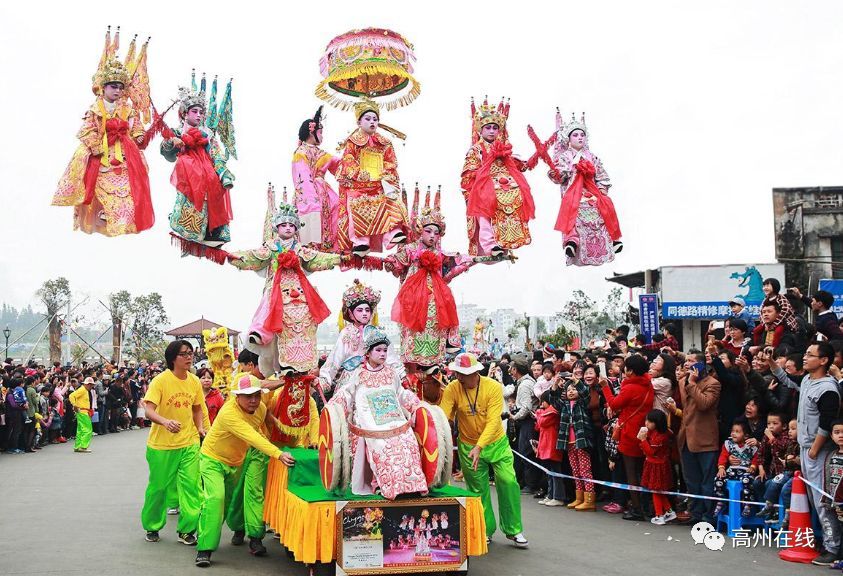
pixel 132 73
pixel 489 114
pixel 359 293
pixel 364 105
pixel 356 294
pixel 426 215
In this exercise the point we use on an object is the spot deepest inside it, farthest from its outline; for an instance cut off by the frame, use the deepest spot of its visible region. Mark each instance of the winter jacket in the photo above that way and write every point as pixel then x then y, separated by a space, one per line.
pixel 631 404
pixel 576 417
pixel 699 431
pixel 547 423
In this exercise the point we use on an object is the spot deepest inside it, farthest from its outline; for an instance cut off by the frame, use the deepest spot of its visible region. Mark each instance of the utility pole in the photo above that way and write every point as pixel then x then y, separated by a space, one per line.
pixel 67 358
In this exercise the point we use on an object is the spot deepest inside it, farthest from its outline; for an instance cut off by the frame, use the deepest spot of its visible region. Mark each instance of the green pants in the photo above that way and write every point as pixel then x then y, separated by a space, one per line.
pixel 84 431
pixel 219 481
pixel 497 456
pixel 245 513
pixel 173 495
pixel 168 467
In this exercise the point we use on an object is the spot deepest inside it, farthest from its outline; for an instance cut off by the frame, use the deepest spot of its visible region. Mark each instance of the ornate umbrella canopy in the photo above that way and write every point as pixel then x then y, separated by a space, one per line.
pixel 371 63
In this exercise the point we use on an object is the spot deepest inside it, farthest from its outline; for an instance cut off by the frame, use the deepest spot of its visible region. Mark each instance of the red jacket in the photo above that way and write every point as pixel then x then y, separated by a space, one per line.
pixel 631 405
pixel 214 401
pixel 656 446
pixel 547 423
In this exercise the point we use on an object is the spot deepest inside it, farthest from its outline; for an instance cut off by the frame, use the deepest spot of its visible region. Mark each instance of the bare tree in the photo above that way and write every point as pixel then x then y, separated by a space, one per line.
pixel 616 307
pixel 120 306
pixel 148 316
pixel 580 310
pixel 55 294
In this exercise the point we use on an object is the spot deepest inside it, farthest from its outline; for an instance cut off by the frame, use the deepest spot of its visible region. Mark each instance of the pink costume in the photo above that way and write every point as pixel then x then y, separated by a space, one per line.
pixel 385 454
pixel 590 221
pixel 317 203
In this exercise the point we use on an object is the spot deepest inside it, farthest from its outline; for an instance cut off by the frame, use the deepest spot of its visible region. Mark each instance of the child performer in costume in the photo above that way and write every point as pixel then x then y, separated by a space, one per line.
pixel 359 304
pixel 587 219
pixel 372 215
pixel 283 330
pixel 107 180
pixel 202 211
pixel 316 202
pixel 425 307
pixel 499 203
pixel 223 451
pixel 384 451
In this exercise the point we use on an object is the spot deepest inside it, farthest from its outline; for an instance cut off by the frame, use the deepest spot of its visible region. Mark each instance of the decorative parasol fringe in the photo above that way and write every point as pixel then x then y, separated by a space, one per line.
pixel 361 68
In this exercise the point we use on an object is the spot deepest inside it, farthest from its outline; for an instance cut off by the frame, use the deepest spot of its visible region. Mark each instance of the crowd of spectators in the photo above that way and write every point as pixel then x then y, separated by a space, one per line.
pixel 755 403
pixel 35 408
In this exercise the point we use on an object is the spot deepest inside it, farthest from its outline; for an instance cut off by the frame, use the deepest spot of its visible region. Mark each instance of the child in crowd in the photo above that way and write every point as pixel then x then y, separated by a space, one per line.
pixel 547 423
pixel 658 474
pixel 792 463
pixel 833 475
pixel 19 395
pixel 772 475
pixel 56 421
pixel 747 454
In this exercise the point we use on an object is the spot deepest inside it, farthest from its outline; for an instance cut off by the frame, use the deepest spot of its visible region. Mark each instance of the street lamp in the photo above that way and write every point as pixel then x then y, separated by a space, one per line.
pixel 7 333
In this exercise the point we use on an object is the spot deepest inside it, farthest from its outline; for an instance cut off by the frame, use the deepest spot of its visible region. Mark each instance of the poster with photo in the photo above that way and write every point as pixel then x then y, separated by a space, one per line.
pixel 401 537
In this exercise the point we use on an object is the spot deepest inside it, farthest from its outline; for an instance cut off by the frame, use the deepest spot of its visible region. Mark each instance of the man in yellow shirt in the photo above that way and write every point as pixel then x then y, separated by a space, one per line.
pixel 242 521
pixel 234 431
pixel 80 399
pixel 174 404
pixel 475 402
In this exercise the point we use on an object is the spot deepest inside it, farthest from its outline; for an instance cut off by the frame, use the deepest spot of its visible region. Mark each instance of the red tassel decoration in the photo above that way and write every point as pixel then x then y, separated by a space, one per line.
pixel 216 255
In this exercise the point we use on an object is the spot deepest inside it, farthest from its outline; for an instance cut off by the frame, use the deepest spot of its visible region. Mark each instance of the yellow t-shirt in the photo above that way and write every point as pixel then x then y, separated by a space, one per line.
pixel 80 399
pixel 481 425
pixel 174 400
pixel 233 431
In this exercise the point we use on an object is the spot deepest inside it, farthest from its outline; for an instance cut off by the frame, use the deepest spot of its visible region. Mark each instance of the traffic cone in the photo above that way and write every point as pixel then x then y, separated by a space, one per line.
pixel 800 523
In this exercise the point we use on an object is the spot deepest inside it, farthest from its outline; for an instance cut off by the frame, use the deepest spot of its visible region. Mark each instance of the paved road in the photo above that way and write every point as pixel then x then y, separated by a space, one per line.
pixel 66 513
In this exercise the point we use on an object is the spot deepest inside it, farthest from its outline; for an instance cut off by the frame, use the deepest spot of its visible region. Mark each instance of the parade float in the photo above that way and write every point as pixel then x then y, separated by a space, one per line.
pixel 370 492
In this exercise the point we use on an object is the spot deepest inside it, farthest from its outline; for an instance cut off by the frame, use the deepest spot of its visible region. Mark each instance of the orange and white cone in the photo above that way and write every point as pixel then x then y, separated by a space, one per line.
pixel 800 523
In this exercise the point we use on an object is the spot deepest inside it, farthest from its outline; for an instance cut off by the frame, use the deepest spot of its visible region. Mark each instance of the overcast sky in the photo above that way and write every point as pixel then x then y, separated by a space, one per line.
pixel 697 110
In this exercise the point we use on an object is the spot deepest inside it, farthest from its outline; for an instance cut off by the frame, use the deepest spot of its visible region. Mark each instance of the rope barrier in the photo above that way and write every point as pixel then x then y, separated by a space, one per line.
pixel 630 487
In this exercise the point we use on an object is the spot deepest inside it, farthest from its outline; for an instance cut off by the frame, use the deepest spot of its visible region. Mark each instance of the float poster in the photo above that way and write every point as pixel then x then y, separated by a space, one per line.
pixel 401 537
pixel 424 535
